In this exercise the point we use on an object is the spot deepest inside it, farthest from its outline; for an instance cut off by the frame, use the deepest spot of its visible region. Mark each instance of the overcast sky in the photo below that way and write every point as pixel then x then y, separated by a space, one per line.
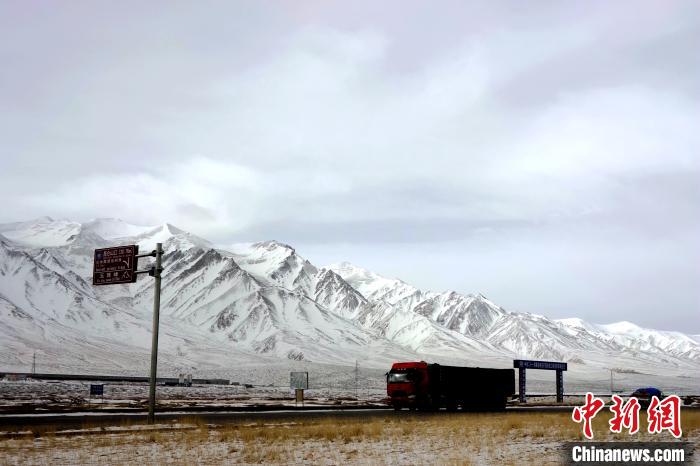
pixel 545 154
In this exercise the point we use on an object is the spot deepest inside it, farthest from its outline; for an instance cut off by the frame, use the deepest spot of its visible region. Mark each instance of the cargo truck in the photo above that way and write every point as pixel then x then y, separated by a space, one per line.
pixel 419 385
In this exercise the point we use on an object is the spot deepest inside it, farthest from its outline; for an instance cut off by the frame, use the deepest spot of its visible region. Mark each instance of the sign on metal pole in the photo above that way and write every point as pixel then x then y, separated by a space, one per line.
pixel 549 365
pixel 114 266
pixel 117 265
pixel 97 390
pixel 299 380
pixel 523 364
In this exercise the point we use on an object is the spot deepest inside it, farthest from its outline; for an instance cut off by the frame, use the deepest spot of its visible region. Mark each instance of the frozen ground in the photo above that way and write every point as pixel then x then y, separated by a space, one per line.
pixel 38 396
pixel 469 439
pixel 269 385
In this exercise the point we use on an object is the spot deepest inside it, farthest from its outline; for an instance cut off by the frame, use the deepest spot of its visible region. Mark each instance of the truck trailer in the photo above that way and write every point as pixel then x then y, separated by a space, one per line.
pixel 419 385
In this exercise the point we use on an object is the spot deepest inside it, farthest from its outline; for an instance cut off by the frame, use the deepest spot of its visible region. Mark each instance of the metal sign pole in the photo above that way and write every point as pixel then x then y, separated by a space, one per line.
pixel 523 364
pixel 118 265
pixel 154 343
pixel 560 386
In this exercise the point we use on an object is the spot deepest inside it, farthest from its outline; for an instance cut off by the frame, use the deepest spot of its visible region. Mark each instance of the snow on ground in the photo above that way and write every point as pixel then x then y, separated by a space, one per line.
pixel 268 312
pixel 463 438
pixel 269 384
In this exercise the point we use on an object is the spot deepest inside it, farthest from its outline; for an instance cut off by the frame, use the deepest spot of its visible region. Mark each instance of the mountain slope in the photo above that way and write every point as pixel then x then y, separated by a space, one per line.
pixel 264 301
pixel 521 334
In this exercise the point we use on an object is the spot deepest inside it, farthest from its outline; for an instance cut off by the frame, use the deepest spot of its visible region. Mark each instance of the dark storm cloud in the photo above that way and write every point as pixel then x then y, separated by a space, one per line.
pixel 545 155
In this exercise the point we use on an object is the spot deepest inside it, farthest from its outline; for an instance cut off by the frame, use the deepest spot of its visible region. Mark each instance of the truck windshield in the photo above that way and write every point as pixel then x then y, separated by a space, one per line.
pixel 398 377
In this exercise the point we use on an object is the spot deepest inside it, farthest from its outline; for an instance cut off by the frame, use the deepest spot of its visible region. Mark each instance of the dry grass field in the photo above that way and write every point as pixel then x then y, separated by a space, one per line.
pixel 459 438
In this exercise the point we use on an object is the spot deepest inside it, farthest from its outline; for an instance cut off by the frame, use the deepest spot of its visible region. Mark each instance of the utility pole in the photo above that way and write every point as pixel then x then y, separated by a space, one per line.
pixel 611 382
pixel 154 343
pixel 34 364
pixel 357 371
pixel 118 265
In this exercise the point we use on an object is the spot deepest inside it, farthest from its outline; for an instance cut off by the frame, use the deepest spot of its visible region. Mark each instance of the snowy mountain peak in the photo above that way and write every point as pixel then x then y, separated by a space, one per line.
pixel 624 327
pixel 113 228
pixel 274 245
pixel 42 231
pixel 572 322
pixel 4 240
pixel 335 293
pixel 577 324
pixel 371 285
pixel 173 230
pixel 346 268
pixel 278 263
pixel 266 299
pixel 171 237
pixel 85 238
pixel 483 299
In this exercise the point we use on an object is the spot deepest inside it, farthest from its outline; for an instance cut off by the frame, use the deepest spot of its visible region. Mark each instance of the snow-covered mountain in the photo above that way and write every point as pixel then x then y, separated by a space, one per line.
pixel 263 302
pixel 522 334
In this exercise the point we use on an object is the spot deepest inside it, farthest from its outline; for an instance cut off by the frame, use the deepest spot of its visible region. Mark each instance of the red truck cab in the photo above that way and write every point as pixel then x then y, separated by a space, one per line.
pixel 406 382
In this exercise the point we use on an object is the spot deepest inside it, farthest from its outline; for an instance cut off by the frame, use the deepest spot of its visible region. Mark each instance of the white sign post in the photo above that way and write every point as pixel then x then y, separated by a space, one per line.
pixel 299 381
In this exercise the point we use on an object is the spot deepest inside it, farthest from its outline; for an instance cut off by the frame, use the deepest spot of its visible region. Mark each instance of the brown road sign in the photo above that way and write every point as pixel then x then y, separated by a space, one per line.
pixel 113 266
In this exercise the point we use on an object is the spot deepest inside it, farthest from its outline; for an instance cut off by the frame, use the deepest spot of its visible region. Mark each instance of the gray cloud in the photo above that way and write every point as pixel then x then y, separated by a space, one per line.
pixel 544 156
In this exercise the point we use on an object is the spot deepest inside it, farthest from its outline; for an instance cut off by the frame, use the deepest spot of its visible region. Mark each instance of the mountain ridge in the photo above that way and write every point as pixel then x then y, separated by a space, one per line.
pixel 264 299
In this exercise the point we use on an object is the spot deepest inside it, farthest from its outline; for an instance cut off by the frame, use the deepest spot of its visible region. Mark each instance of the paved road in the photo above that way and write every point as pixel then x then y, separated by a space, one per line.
pixel 74 420
pixel 77 420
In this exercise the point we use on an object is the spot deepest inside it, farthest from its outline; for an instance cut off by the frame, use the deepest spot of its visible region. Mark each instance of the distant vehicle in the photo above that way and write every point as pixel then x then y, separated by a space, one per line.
pixel 644 395
pixel 419 385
